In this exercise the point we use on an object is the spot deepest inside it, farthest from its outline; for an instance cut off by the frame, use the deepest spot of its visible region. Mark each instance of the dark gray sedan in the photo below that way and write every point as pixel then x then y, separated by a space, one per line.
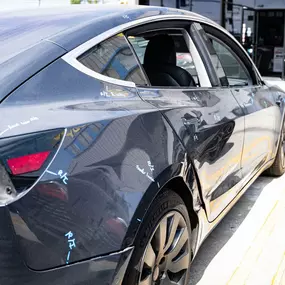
pixel 126 135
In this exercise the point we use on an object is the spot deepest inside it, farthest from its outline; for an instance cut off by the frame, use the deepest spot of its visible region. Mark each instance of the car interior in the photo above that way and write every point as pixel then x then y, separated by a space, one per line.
pixel 158 52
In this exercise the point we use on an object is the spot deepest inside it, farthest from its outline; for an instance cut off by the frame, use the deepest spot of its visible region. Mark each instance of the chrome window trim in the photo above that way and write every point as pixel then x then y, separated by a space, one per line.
pixel 71 57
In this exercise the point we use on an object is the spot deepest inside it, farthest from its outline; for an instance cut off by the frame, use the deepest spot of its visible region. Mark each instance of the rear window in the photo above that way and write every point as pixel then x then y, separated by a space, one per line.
pixel 114 58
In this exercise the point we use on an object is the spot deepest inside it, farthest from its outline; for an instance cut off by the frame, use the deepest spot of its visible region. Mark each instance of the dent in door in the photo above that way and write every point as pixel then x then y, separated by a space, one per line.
pixel 210 125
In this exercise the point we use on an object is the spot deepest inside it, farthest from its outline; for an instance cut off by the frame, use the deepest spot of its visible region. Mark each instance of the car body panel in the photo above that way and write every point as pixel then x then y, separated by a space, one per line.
pixel 26 64
pixel 118 148
pixel 13 268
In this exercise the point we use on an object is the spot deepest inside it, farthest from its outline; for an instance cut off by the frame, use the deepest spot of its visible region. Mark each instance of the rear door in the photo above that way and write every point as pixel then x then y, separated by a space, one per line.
pixel 262 115
pixel 207 119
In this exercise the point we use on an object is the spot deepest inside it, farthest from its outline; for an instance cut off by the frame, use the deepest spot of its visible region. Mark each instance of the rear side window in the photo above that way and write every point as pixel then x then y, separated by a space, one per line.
pixel 114 58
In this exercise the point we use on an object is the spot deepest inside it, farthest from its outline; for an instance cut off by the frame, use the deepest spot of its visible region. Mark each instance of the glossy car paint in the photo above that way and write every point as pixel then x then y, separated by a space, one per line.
pixel 210 125
pixel 261 113
pixel 100 157
pixel 117 152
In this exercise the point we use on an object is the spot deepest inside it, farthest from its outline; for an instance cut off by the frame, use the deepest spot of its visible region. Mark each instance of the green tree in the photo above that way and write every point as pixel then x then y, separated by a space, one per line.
pixel 75 1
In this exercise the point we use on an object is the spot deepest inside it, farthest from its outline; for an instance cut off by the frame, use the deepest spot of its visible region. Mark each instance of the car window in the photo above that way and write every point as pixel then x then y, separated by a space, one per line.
pixel 183 57
pixel 185 61
pixel 114 58
pixel 227 62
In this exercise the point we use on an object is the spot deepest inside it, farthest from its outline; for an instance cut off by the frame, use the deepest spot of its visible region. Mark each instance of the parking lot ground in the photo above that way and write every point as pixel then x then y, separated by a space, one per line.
pixel 248 246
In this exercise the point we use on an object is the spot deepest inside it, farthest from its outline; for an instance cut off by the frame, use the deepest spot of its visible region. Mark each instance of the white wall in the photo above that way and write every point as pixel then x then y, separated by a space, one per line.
pixel 208 9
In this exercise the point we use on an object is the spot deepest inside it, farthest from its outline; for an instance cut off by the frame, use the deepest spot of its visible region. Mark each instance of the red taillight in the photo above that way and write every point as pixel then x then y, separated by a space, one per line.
pixel 27 163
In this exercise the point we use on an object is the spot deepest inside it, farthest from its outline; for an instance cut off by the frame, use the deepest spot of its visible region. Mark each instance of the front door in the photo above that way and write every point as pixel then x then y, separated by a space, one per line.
pixel 262 115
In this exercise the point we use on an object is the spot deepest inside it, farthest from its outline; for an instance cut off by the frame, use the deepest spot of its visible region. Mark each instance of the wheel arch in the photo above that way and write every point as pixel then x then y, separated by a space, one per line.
pixel 186 186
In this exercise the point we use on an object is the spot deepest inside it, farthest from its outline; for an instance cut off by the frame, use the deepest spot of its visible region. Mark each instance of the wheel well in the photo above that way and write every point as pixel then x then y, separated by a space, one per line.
pixel 178 186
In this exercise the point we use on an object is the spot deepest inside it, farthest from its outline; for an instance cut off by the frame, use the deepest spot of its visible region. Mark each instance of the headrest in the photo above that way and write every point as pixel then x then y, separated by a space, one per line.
pixel 160 50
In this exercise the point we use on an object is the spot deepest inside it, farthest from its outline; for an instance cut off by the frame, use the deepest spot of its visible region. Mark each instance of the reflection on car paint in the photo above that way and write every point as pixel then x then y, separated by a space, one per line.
pixel 247 154
pixel 53 189
pixel 86 137
pixel 103 184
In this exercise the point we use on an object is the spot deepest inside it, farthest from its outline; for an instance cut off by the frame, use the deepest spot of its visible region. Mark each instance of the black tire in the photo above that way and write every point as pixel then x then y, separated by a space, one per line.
pixel 278 167
pixel 166 211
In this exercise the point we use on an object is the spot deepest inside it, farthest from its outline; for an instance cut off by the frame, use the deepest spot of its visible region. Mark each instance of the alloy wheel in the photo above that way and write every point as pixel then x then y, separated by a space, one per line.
pixel 166 259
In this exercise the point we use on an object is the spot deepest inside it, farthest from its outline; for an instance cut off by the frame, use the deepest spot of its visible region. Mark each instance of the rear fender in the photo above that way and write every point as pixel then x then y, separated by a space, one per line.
pixel 180 178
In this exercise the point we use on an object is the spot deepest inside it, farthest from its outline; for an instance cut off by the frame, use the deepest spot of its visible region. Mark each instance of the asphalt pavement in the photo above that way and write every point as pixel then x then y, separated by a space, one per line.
pixel 248 246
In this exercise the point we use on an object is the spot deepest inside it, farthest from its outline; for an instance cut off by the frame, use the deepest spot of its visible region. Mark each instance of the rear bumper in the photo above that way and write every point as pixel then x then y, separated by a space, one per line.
pixel 104 270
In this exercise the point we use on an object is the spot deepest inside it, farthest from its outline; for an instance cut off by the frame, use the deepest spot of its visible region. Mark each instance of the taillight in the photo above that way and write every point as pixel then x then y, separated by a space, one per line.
pixel 27 163
pixel 26 157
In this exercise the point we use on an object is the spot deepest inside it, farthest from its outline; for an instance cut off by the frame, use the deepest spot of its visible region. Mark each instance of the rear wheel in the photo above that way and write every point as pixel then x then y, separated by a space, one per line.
pixel 162 253
pixel 278 167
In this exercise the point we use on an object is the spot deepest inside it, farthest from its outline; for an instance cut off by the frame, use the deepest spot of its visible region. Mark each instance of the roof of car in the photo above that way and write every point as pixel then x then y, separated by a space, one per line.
pixel 22 29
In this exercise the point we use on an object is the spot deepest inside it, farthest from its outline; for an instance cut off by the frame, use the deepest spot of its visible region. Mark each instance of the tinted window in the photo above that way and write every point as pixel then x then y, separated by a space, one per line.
pixel 227 62
pixel 114 58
